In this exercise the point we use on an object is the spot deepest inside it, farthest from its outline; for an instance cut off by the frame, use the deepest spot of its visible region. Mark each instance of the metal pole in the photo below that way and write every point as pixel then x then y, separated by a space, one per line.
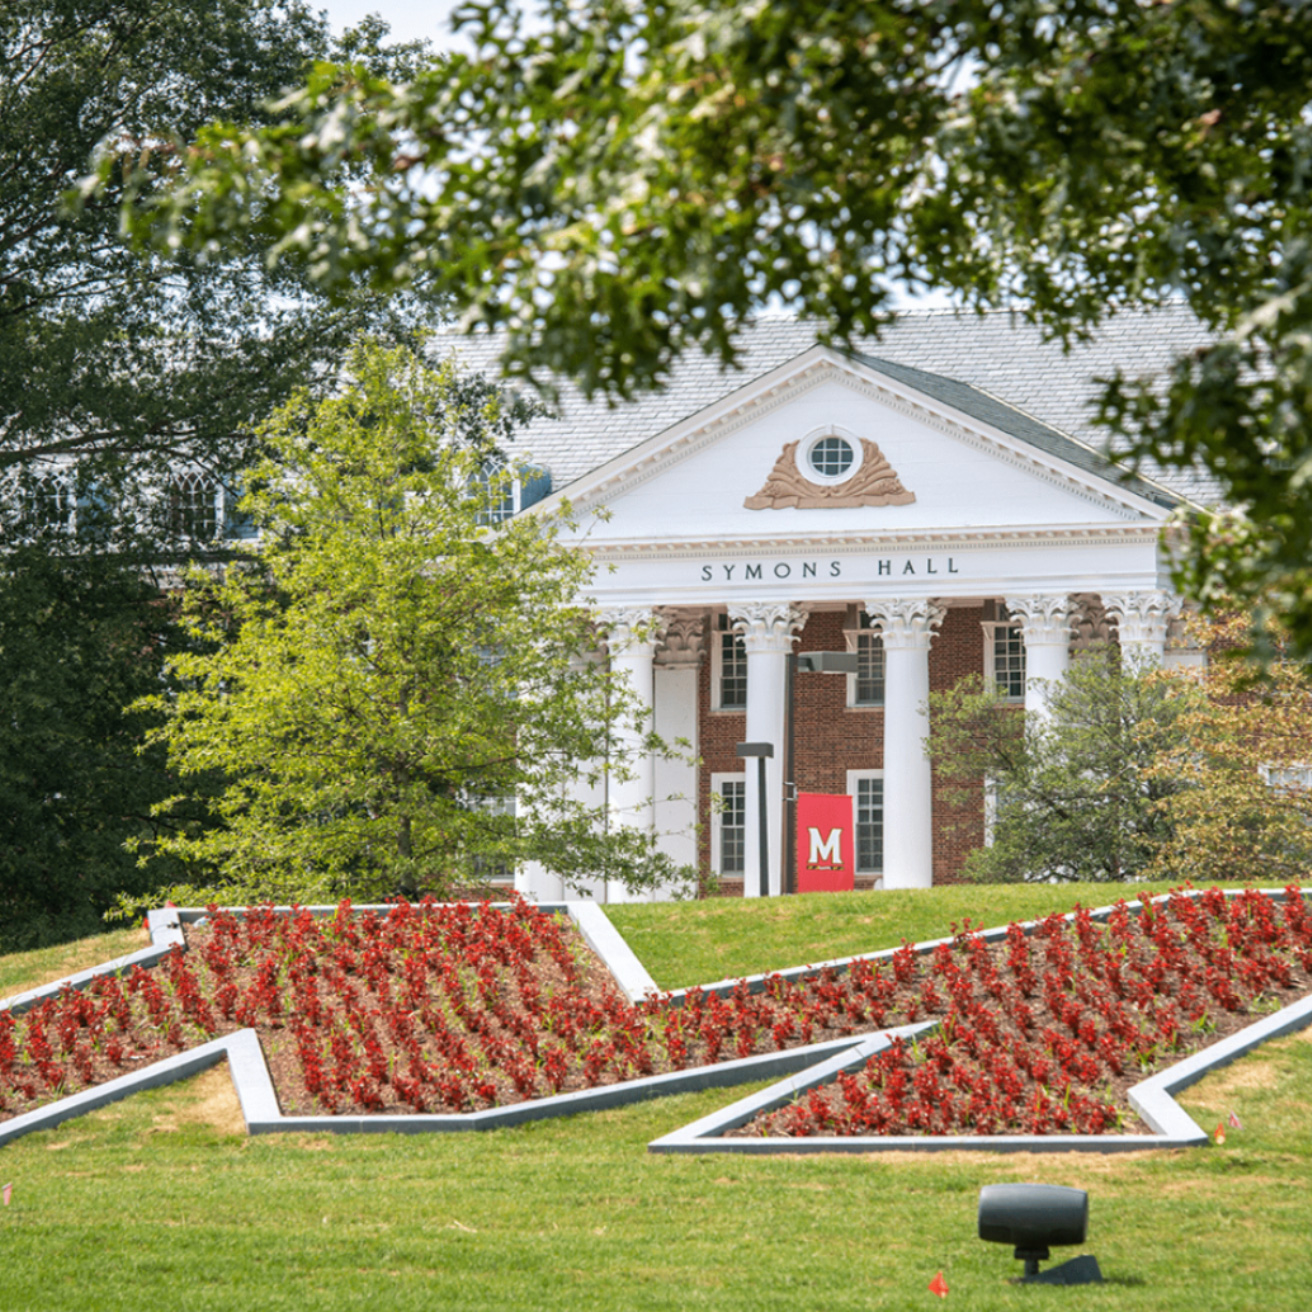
pixel 761 751
pixel 790 783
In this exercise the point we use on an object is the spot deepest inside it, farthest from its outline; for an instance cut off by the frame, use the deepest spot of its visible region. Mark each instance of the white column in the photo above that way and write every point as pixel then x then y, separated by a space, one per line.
pixel 675 810
pixel 768 631
pixel 1142 619
pixel 535 883
pixel 907 629
pixel 538 882
pixel 632 643
pixel 1182 649
pixel 1045 625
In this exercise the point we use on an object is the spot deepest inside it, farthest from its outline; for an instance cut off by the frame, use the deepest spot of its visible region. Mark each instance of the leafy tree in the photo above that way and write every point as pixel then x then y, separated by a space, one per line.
pixel 123 363
pixel 1078 793
pixel 614 183
pixel 115 368
pixel 79 639
pixel 1244 814
pixel 388 666
pixel 1200 775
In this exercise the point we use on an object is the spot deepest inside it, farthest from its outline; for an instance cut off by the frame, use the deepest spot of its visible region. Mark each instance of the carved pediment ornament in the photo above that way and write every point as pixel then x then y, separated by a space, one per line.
pixel 873 484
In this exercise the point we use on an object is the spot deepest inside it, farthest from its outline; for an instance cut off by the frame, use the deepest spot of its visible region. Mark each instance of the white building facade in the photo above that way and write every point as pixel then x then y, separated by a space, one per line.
pixel 848 502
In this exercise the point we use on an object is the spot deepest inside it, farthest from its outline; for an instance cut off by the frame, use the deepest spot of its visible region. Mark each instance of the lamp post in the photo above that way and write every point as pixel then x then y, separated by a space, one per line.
pixel 805 662
pixel 761 751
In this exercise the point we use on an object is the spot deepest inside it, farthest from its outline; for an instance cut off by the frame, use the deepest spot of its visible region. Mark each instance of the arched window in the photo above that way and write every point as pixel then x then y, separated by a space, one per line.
pixel 505 493
pixel 50 502
pixel 193 507
pixel 495 487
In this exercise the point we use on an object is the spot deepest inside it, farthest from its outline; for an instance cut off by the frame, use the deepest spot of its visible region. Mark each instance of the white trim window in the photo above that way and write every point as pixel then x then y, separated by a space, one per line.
pixel 867 790
pixel 728 668
pixel 830 458
pixel 194 505
pixel 507 491
pixel 1004 656
pixel 495 487
pixel 866 686
pixel 485 866
pixel 1287 780
pixel 729 824
pixel 50 501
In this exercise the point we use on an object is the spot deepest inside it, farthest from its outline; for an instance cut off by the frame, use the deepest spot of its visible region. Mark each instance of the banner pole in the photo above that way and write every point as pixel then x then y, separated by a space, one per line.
pixel 789 882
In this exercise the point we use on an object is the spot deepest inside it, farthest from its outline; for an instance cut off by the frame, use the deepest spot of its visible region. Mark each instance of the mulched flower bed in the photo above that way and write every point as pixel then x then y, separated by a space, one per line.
pixel 439 1008
pixel 1046 1035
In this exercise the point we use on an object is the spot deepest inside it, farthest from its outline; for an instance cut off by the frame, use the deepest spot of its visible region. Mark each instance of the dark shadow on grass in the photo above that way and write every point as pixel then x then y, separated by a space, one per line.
pixel 1121 1282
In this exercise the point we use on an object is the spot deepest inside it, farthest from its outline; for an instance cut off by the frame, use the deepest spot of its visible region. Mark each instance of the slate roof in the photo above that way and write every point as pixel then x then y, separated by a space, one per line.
pixel 998 413
pixel 994 366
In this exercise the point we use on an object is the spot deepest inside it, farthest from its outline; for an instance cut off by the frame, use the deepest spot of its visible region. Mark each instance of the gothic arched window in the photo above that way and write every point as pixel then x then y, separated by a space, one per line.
pixel 494 486
pixel 49 501
pixel 193 506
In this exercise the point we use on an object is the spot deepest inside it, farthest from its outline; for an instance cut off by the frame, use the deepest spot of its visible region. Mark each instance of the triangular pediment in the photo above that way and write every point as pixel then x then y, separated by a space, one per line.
pixel 831 446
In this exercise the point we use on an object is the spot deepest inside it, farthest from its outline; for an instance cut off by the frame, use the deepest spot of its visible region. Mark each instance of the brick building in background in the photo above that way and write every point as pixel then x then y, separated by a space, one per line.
pixel 935 503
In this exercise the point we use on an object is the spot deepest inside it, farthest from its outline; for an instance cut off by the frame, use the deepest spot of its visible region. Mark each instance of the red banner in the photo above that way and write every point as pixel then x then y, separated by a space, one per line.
pixel 826 843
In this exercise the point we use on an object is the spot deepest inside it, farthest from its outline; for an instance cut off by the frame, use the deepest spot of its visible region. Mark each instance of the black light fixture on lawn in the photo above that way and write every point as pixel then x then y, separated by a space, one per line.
pixel 761 751
pixel 1035 1218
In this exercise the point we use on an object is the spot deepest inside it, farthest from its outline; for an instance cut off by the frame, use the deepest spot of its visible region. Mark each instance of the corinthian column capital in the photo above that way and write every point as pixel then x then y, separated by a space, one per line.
pixel 684 639
pixel 909 623
pixel 1142 618
pixel 630 630
pixel 1045 617
pixel 767 626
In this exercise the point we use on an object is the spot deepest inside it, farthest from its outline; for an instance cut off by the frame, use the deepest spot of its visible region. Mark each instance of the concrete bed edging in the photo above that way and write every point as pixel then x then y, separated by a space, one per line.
pixel 166 933
pixel 802 1069
pixel 756 983
pixel 254 1085
pixel 1152 1099
pixel 262 1114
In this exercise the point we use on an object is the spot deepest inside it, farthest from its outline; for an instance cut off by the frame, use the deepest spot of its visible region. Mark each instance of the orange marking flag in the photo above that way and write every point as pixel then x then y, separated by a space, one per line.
pixel 939 1286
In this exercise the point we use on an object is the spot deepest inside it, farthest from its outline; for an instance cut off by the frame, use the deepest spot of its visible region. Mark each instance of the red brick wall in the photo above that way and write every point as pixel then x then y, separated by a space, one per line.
pixel 830 739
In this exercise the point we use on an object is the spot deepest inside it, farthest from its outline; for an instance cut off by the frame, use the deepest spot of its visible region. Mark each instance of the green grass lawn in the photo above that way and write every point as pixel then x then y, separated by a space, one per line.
pixel 161 1202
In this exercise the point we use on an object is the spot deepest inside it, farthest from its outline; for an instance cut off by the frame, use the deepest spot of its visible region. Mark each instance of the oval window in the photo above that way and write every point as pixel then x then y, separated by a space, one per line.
pixel 831 457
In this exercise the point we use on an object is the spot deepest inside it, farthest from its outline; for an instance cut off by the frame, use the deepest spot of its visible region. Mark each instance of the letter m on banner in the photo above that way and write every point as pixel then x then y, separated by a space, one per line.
pixel 826 849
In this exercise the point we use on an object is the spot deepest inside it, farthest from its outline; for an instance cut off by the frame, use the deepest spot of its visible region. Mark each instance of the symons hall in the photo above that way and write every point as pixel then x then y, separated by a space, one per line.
pixel 934 504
